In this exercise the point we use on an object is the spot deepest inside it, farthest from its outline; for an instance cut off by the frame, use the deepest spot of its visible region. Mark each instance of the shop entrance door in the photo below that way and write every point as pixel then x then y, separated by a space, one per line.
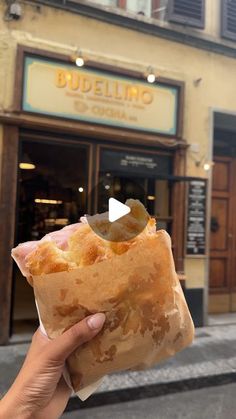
pixel 222 287
pixel 53 186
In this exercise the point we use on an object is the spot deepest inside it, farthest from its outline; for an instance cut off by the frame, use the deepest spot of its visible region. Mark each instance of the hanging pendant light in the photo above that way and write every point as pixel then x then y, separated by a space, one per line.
pixel 26 163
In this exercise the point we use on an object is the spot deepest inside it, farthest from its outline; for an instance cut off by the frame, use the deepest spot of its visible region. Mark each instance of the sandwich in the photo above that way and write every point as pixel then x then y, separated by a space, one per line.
pixel 123 269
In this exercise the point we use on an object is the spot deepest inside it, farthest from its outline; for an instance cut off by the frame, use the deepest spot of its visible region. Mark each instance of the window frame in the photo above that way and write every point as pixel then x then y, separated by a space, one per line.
pixel 177 18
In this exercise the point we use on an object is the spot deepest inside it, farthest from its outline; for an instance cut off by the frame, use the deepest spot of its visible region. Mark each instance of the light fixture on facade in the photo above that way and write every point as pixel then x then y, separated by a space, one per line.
pixel 26 163
pixel 201 161
pixel 151 198
pixel 81 189
pixel 14 11
pixel 79 61
pixel 151 77
pixel 208 165
pixel 107 187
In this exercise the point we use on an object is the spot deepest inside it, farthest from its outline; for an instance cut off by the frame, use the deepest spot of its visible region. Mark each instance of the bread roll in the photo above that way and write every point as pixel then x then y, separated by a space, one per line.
pixel 133 282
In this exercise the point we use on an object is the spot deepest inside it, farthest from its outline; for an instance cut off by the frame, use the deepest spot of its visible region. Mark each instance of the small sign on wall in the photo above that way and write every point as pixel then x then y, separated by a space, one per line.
pixel 196 218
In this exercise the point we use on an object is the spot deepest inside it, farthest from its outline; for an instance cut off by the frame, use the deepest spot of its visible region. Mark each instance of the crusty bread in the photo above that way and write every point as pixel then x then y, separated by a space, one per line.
pixel 133 282
pixel 85 247
pixel 147 319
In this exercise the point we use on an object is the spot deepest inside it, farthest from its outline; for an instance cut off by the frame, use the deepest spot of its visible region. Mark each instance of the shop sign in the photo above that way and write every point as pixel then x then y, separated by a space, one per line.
pixel 64 90
pixel 196 218
pixel 146 164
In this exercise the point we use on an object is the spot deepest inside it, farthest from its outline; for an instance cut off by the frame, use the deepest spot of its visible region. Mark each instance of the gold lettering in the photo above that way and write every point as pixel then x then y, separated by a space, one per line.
pixel 97 88
pixel 74 81
pixel 116 91
pixel 86 85
pixel 60 78
pixel 132 92
pixel 147 97
pixel 107 93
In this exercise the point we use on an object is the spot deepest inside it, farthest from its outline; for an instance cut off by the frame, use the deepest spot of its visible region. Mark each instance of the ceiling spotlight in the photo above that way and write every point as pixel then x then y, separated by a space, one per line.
pixel 151 78
pixel 79 61
pixel 47 201
pixel 80 189
pixel 26 163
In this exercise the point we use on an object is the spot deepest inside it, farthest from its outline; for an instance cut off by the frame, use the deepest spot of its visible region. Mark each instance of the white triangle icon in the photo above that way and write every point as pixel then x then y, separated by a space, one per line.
pixel 116 209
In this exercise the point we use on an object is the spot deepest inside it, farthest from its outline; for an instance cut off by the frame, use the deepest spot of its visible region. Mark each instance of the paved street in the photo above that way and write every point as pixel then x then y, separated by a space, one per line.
pixel 212 354
pixel 210 360
pixel 208 403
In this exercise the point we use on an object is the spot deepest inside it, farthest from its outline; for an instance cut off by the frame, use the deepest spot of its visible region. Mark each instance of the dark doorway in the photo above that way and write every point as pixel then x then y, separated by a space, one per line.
pixel 53 187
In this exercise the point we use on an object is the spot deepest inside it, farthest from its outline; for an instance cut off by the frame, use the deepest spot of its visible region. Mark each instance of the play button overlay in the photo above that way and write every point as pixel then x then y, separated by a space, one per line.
pixel 121 216
pixel 117 210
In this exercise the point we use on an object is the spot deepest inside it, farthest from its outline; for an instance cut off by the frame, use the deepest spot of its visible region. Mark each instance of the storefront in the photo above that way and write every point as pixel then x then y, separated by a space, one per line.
pixel 102 130
pixel 85 135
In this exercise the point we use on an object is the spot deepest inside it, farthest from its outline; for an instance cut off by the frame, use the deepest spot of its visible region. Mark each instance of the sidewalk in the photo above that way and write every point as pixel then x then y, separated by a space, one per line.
pixel 211 403
pixel 211 360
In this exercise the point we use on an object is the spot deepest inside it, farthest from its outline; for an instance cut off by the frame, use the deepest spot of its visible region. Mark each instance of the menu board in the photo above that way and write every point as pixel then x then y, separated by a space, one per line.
pixel 196 218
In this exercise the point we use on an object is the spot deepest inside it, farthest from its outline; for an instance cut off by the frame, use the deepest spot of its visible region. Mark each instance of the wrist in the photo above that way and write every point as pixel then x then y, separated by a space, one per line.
pixel 13 408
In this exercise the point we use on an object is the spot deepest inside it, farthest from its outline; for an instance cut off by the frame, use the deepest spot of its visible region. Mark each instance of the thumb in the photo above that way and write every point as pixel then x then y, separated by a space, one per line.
pixel 62 346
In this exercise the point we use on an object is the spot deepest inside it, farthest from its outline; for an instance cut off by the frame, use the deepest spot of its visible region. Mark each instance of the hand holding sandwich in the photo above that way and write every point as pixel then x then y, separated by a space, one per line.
pixel 147 318
pixel 39 390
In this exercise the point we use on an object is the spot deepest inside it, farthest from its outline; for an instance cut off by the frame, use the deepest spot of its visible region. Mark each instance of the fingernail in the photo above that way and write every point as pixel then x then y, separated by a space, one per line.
pixel 96 321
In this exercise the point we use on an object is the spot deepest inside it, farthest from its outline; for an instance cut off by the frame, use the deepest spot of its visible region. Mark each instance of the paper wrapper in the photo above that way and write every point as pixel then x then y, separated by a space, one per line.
pixel 147 318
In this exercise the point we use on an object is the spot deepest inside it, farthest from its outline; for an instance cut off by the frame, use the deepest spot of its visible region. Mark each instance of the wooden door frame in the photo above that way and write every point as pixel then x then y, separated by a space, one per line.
pixel 9 173
pixel 228 288
pixel 233 221
pixel 224 299
pixel 179 218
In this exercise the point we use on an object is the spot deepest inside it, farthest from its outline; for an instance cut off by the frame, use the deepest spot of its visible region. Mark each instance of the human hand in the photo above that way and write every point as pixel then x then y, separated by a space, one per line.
pixel 40 390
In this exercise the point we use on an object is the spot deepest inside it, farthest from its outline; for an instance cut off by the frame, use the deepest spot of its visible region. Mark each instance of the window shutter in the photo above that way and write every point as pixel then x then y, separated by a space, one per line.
pixel 187 12
pixel 228 19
